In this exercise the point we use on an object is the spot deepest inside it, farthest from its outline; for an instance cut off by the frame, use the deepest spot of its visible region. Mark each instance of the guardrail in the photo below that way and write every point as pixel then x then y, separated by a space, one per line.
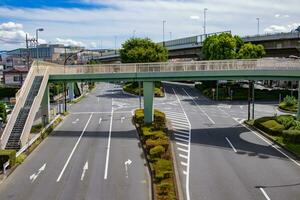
pixel 250 64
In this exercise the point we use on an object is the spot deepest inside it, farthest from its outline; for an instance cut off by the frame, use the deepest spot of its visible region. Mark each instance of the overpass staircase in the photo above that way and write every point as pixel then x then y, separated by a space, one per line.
pixel 29 98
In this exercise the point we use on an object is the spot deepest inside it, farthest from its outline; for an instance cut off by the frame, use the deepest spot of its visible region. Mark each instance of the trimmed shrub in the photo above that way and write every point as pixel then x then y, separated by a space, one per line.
pixel 163 169
pixel 153 143
pixel 157 152
pixel 21 158
pixel 286 120
pixel 269 125
pixel 292 136
pixel 6 155
pixel 290 100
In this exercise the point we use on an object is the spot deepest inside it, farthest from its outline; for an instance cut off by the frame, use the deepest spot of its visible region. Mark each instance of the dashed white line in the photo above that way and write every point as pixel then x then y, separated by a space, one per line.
pixel 73 150
pixel 265 194
pixel 234 149
pixel 212 121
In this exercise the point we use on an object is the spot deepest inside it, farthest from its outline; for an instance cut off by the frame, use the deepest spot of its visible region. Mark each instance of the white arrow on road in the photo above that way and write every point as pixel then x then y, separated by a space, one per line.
pixel 35 175
pixel 127 163
pixel 100 120
pixel 85 168
pixel 74 122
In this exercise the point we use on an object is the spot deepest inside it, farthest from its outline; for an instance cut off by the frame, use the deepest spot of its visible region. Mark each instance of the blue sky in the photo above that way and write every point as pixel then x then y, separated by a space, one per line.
pixel 94 22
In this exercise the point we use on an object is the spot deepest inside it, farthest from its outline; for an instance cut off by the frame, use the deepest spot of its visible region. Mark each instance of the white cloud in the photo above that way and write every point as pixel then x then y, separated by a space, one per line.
pixel 279 16
pixel 279 29
pixel 11 32
pixel 69 42
pixel 195 17
pixel 10 26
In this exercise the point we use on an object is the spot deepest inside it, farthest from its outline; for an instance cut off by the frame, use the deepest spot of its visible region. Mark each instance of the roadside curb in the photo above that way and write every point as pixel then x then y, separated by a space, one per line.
pixel 285 111
pixel 290 153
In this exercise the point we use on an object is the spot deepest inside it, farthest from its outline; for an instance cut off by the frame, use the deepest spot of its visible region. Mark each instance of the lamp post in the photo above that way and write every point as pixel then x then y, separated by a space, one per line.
pixel 204 20
pixel 257 25
pixel 164 22
pixel 37 44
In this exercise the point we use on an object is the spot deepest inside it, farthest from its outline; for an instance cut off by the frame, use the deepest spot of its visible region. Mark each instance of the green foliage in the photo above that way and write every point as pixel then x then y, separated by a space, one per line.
pixel 138 50
pixel 290 100
pixel 251 51
pixel 55 88
pixel 292 136
pixel 21 158
pixel 8 91
pixel 163 169
pixel 286 120
pixel 226 46
pixel 36 128
pixel 133 88
pixel 157 151
pixel 6 155
pixel 269 125
pixel 3 114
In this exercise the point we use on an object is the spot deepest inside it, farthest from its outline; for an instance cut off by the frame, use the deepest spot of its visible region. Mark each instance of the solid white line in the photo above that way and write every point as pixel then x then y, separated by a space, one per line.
pixel 181 144
pixel 183 156
pixel 73 150
pixel 264 193
pixel 234 149
pixel 108 144
pixel 181 149
pixel 181 139
pixel 268 142
pixel 116 112
pixel 212 121
pixel 180 135
pixel 187 182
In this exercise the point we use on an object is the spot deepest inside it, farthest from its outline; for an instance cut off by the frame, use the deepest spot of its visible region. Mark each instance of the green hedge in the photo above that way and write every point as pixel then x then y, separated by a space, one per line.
pixel 269 125
pixel 133 88
pixel 8 91
pixel 6 155
pixel 292 136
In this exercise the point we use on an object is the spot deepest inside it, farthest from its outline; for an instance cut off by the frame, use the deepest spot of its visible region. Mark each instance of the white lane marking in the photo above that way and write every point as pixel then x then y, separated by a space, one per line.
pixel 100 120
pixel 98 99
pixel 181 144
pixel 271 144
pixel 84 113
pixel 177 120
pixel 108 144
pixel 183 156
pixel 122 119
pixel 73 150
pixel 212 121
pixel 181 139
pixel 184 172
pixel 84 169
pixel 183 163
pixel 241 107
pixel 181 131
pixel 181 149
pixel 180 123
pixel 35 175
pixel 74 122
pixel 180 126
pixel 187 182
pixel 127 163
pixel 234 149
pixel 264 193
pixel 180 135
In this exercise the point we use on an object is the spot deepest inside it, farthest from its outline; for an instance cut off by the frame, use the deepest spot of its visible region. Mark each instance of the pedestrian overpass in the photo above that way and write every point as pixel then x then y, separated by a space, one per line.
pixel 34 93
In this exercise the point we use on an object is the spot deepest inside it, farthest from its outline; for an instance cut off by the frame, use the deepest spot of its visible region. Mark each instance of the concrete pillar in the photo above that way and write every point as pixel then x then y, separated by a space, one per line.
pixel 298 113
pixel 148 101
pixel 71 91
pixel 45 106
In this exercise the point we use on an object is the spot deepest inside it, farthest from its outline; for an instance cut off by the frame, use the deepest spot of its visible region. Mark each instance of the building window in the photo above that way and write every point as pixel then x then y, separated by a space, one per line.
pixel 17 78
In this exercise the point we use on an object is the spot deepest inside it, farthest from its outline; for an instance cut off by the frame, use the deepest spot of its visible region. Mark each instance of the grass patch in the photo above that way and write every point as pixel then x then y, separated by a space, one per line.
pixel 21 158
pixel 156 145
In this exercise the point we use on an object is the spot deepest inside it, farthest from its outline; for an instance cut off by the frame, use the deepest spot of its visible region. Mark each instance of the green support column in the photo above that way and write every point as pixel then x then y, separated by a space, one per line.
pixel 148 101
pixel 298 113
pixel 45 107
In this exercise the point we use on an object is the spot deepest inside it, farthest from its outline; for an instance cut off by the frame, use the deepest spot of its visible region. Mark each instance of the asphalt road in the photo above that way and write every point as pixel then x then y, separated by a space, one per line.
pixel 85 157
pixel 218 158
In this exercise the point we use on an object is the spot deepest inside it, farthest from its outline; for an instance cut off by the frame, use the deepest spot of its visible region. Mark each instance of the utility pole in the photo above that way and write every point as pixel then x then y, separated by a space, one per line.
pixel 164 22
pixel 30 41
pixel 204 20
pixel 257 25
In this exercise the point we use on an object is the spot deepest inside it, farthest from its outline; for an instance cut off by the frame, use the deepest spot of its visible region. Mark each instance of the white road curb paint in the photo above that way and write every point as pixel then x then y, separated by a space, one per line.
pixel 34 176
pixel 85 168
pixel 73 150
pixel 234 149
pixel 109 139
pixel 212 121
pixel 269 143
pixel 265 194
pixel 187 182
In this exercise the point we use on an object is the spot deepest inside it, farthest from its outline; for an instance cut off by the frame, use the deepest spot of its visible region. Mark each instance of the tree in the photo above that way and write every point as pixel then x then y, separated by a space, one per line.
pixel 251 51
pixel 3 114
pixel 219 47
pixel 140 50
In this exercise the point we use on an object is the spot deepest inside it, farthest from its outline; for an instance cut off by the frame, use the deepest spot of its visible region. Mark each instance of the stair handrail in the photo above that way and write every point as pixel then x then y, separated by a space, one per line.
pixel 34 107
pixel 19 104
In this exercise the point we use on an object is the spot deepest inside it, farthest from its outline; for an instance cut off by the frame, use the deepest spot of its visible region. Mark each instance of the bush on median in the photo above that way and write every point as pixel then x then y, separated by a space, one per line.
pixel 6 155
pixel 292 136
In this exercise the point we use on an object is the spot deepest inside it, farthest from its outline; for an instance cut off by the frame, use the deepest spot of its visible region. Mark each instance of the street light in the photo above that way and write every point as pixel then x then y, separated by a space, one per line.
pixel 164 22
pixel 37 44
pixel 257 25
pixel 204 20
